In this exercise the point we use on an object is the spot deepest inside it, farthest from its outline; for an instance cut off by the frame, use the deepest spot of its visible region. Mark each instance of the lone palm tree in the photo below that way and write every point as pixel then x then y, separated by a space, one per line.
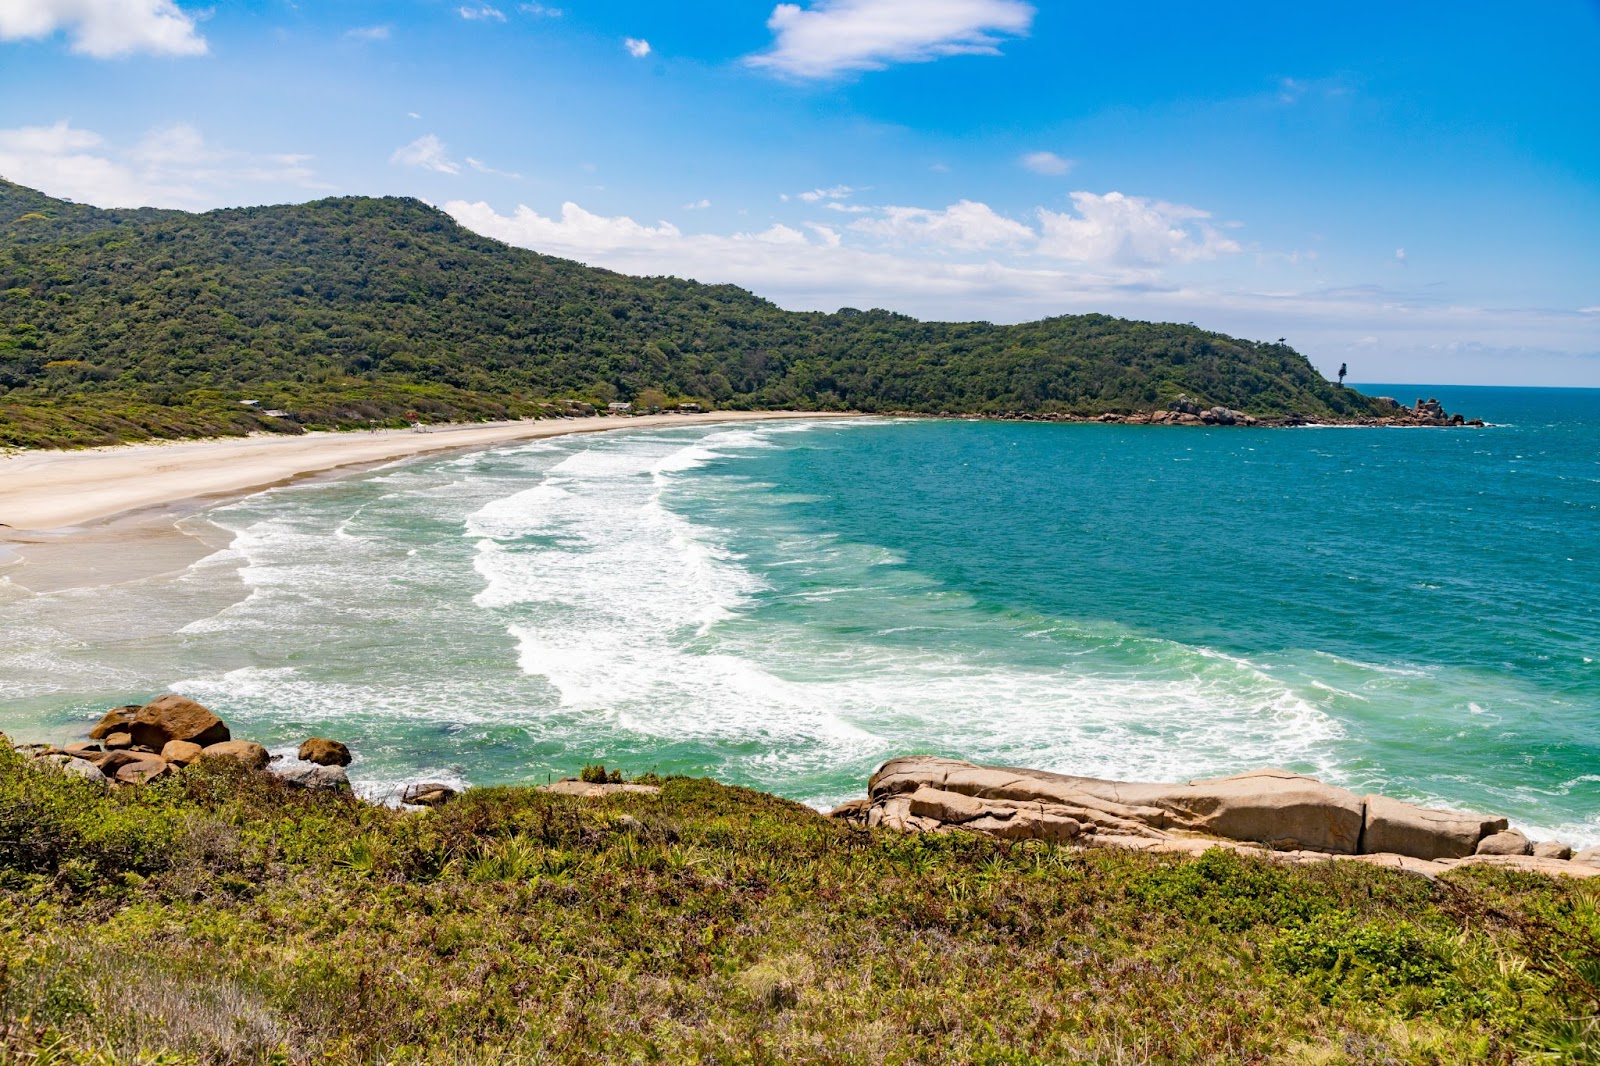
pixel 1343 370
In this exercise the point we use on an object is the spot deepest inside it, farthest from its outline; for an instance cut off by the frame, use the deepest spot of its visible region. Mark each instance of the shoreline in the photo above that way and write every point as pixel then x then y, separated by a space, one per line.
pixel 106 516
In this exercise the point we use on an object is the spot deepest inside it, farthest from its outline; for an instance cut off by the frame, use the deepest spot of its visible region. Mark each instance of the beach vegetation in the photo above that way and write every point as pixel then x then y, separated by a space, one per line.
pixel 222 917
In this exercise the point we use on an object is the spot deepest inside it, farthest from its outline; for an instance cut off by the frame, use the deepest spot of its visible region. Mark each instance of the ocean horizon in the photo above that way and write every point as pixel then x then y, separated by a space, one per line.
pixel 785 605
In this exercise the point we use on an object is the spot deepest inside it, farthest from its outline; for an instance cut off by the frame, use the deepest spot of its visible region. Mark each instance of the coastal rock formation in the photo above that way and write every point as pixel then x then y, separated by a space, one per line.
pixel 324 752
pixel 181 752
pixel 172 717
pixel 427 794
pixel 248 752
pixel 1405 829
pixel 1271 811
pixel 313 776
pixel 116 720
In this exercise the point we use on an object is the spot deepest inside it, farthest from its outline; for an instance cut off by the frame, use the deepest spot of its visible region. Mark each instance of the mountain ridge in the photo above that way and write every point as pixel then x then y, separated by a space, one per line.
pixel 123 324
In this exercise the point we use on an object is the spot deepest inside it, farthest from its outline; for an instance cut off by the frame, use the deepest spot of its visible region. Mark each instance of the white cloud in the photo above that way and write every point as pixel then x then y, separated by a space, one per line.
pixel 172 166
pixel 838 192
pixel 412 114
pixel 369 33
pixel 1047 163
pixel 105 28
pixel 637 47
pixel 481 13
pixel 833 37
pixel 697 205
pixel 427 152
pixel 1123 230
pixel 965 225
pixel 484 168
pixel 1400 255
pixel 540 11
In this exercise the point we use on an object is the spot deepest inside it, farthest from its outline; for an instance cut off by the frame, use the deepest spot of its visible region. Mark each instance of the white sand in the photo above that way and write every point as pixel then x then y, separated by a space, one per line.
pixel 50 490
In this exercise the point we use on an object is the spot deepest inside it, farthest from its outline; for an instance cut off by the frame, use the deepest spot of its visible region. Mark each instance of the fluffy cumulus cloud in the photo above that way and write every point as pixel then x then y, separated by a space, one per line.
pixel 172 166
pixel 637 47
pixel 1113 229
pixel 427 152
pixel 105 29
pixel 833 37
pixel 481 13
pixel 963 226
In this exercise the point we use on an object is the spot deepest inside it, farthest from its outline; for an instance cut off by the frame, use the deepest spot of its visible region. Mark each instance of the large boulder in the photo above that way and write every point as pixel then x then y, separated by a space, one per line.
pixel 173 717
pixel 144 768
pixel 1552 849
pixel 116 720
pixel 181 752
pixel 1589 856
pixel 1423 833
pixel 248 752
pixel 1509 842
pixel 324 752
pixel 75 768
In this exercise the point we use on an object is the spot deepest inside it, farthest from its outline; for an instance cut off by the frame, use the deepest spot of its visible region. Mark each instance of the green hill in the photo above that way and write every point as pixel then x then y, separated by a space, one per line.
pixel 118 325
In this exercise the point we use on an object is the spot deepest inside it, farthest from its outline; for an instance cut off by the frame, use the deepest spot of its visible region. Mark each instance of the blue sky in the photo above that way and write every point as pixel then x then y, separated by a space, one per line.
pixel 1413 189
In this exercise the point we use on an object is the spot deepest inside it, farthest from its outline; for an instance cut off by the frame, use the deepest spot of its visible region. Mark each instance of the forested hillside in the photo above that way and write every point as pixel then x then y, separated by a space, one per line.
pixel 123 324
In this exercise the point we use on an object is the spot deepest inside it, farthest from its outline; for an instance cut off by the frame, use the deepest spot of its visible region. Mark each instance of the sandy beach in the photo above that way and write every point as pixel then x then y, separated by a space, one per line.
pixel 101 515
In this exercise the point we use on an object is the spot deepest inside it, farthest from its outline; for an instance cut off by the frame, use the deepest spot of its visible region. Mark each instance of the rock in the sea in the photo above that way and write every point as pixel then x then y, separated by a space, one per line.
pixel 116 720
pixel 324 752
pixel 144 768
pixel 173 717
pixel 427 794
pixel 248 752
pixel 313 776
pixel 1422 833
pixel 181 752
pixel 1508 842
pixel 1552 849
pixel 118 741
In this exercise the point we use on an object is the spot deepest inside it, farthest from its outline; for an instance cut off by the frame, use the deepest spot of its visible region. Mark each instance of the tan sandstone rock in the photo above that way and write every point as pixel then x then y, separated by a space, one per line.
pixel 144 768
pixel 324 752
pixel 118 741
pixel 180 752
pixel 116 720
pixel 1508 842
pixel 1552 849
pixel 1588 856
pixel 173 717
pixel 1423 833
pixel 248 752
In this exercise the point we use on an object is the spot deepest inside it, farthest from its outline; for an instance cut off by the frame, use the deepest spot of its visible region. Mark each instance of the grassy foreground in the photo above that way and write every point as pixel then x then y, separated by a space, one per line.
pixel 221 917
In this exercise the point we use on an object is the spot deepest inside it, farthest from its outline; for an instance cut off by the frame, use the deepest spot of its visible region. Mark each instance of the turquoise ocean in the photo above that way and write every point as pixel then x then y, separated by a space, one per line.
pixel 785 605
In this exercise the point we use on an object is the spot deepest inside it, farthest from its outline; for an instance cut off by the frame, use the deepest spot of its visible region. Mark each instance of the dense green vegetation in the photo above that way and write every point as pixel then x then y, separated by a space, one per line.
pixel 121 324
pixel 220 917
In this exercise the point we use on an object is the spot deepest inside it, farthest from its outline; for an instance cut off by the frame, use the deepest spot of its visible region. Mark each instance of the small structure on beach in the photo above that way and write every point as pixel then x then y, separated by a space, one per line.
pixel 619 408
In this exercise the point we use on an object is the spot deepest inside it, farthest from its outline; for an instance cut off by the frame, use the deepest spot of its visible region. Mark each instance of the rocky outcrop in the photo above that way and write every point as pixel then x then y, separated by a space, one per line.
pixel 1405 829
pixel 324 752
pixel 116 720
pixel 1270 811
pixel 181 752
pixel 248 752
pixel 427 794
pixel 314 776
pixel 172 717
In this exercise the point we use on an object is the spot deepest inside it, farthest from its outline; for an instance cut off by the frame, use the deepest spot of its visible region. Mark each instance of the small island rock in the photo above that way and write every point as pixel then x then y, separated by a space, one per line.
pixel 324 752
